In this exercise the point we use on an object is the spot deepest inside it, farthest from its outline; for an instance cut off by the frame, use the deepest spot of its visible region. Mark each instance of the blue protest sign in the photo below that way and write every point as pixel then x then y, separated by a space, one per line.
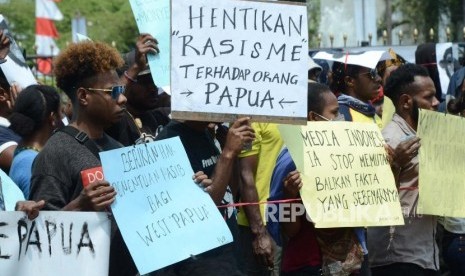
pixel 153 17
pixel 163 215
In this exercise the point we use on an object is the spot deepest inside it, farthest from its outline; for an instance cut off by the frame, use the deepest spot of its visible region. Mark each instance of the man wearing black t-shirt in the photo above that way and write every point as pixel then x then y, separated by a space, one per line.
pixel 205 156
pixel 141 121
pixel 86 72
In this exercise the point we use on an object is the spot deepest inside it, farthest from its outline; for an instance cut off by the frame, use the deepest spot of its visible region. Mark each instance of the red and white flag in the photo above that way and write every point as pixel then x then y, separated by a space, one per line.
pixel 46 32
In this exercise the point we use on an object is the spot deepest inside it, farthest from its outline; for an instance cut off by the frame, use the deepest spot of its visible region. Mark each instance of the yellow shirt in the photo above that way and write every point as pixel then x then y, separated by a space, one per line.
pixel 267 145
pixel 362 118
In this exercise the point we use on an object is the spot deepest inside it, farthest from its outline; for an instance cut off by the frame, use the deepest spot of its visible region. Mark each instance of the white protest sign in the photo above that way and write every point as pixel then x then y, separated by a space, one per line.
pixel 234 58
pixel 163 216
pixel 55 243
pixel 15 68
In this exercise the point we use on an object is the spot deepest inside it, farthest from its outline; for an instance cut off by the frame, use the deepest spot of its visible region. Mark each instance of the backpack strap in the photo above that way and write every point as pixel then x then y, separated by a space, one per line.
pixel 82 138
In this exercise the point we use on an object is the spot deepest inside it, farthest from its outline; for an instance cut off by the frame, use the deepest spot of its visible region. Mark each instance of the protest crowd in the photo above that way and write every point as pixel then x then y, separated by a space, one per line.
pixel 49 146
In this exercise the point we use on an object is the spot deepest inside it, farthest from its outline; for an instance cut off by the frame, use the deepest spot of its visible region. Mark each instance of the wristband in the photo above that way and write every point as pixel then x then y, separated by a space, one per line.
pixel 128 77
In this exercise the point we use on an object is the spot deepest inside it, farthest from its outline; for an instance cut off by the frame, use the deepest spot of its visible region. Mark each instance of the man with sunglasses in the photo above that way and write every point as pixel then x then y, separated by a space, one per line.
pixel 357 86
pixel 142 119
pixel 86 72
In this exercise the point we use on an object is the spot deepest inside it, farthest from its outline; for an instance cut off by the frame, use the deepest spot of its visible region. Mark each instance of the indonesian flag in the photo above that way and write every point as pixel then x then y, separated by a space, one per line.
pixel 46 32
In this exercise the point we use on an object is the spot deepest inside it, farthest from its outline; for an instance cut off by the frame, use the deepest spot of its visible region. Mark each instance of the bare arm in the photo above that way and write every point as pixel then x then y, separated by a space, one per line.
pixel 6 157
pixel 262 243
pixel 240 132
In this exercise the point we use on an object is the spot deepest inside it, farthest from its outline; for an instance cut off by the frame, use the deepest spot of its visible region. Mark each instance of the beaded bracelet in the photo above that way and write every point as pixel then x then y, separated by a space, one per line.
pixel 128 77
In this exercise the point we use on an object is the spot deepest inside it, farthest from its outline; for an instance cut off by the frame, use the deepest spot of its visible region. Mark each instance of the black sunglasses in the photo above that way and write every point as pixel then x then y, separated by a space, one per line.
pixel 372 74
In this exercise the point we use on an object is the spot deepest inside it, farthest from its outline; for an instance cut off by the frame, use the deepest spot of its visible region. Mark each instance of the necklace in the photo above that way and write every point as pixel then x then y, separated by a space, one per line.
pixel 23 148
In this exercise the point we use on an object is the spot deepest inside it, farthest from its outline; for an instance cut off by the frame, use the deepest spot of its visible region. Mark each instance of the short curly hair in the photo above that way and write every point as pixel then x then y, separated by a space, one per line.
pixel 79 62
pixel 401 81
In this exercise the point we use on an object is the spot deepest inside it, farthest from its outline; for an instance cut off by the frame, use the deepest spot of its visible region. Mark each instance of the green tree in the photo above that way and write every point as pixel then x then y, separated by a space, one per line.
pixel 426 14
pixel 108 21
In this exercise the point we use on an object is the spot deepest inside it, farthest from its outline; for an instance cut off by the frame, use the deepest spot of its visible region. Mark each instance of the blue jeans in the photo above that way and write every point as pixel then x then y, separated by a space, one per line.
pixel 453 246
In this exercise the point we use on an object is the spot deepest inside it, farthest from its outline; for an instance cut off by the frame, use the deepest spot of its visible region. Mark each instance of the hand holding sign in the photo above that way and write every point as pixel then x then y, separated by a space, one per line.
pixel 97 196
pixel 146 44
pixel 240 134
pixel 292 184
pixel 202 179
pixel 4 45
pixel 405 151
pixel 30 207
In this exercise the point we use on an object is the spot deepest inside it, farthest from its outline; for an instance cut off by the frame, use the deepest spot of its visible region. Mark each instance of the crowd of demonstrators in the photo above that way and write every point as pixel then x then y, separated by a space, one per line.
pixel 115 102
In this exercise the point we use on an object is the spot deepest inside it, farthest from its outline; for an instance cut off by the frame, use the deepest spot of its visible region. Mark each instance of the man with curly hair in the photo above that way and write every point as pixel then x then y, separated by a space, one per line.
pixel 86 72
pixel 410 249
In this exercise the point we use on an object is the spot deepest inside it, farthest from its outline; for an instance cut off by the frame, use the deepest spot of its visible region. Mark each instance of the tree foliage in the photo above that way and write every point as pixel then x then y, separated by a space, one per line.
pixel 426 14
pixel 108 21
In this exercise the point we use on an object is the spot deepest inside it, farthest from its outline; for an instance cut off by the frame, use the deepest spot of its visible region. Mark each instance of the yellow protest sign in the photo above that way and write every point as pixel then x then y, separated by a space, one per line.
pixel 441 158
pixel 347 177
pixel 388 111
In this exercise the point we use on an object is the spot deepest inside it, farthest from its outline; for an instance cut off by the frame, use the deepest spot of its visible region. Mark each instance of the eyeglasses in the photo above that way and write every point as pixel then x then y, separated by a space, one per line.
pixel 114 91
pixel 372 74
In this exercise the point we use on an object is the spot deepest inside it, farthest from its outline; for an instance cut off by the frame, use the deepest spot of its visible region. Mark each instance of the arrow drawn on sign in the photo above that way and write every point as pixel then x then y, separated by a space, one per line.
pixel 187 93
pixel 281 102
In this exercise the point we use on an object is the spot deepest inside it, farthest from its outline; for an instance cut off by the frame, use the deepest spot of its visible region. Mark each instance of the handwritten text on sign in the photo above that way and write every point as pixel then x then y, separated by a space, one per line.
pixel 441 155
pixel 163 215
pixel 55 243
pixel 347 176
pixel 239 57
pixel 153 17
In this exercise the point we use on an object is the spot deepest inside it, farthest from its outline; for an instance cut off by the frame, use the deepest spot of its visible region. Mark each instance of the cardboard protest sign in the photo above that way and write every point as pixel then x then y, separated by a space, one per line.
pixel 441 186
pixel 347 177
pixel 55 243
pixel 15 68
pixel 153 17
pixel 163 215
pixel 233 58
pixel 9 191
